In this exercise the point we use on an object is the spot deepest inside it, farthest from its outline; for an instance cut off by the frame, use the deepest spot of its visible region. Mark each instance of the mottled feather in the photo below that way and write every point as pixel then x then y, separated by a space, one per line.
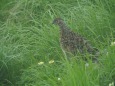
pixel 72 42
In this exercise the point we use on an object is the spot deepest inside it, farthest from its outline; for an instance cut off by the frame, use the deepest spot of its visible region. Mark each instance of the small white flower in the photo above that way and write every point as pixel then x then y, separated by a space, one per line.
pixel 111 84
pixel 51 61
pixel 107 53
pixel 40 63
pixel 59 79
pixel 112 43
pixel 86 65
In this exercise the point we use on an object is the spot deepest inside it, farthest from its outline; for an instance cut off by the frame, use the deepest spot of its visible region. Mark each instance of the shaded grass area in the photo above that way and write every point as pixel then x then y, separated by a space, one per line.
pixel 27 37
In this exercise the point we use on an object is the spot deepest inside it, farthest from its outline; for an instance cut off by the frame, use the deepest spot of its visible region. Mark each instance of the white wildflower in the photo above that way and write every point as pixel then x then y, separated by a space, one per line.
pixel 40 63
pixel 59 79
pixel 107 53
pixel 51 61
pixel 112 43
pixel 111 84
pixel 86 65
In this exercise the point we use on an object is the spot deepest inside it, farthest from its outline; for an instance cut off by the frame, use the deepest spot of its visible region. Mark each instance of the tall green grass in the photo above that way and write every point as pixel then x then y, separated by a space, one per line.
pixel 27 37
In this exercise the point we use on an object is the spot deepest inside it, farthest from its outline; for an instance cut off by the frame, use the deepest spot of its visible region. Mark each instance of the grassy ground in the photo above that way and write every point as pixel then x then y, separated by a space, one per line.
pixel 28 37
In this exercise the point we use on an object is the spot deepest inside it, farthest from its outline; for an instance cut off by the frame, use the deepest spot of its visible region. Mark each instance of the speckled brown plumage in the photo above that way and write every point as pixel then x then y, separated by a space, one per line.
pixel 73 42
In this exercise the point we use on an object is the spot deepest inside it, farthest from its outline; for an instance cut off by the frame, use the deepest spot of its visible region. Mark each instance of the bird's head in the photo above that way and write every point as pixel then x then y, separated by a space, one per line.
pixel 57 21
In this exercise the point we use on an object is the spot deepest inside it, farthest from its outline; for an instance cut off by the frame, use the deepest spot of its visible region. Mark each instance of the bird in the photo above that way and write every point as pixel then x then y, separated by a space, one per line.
pixel 74 43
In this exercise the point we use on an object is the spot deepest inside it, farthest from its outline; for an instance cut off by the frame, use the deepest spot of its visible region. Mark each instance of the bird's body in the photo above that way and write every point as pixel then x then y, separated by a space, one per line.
pixel 73 42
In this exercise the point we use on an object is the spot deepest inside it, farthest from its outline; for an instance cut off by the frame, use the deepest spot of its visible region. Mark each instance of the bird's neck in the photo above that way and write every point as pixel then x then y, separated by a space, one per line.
pixel 64 30
pixel 62 26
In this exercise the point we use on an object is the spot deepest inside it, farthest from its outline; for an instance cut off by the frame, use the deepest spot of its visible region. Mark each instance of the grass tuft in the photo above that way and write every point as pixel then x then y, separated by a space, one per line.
pixel 28 37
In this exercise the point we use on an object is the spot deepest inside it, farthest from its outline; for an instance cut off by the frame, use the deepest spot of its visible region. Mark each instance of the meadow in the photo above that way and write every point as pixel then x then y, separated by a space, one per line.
pixel 30 52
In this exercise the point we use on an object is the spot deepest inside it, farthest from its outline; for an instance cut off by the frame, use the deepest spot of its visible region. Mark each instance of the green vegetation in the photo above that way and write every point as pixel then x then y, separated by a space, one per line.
pixel 28 37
